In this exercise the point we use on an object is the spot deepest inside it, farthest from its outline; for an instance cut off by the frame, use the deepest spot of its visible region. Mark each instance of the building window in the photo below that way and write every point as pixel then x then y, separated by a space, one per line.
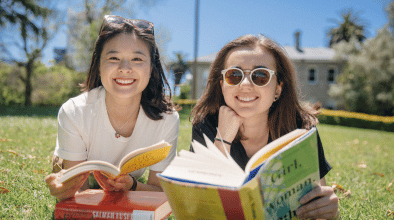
pixel 331 76
pixel 312 77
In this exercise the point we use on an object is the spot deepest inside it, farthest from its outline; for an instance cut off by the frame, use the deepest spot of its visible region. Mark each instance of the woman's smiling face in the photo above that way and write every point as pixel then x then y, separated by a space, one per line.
pixel 125 66
pixel 247 99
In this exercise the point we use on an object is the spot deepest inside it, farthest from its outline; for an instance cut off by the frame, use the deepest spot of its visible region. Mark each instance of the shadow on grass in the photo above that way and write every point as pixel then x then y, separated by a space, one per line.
pixel 32 111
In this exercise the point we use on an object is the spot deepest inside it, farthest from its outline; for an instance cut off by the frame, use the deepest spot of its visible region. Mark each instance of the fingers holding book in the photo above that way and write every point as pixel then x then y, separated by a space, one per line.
pixel 321 202
pixel 122 183
pixel 67 189
pixel 103 181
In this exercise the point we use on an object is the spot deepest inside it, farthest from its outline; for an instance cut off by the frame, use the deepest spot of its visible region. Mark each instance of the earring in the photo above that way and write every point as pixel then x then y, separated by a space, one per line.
pixel 276 98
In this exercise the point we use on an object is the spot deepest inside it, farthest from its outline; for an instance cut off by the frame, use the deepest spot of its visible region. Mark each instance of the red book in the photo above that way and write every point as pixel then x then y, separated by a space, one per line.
pixel 98 204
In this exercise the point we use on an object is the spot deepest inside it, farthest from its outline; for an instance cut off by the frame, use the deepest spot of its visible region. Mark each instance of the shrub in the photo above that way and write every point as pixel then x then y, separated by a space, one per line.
pixel 359 120
pixel 11 87
pixel 56 84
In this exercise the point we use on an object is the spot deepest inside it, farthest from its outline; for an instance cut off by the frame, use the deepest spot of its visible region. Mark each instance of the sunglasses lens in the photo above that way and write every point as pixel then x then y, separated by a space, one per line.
pixel 233 77
pixel 142 24
pixel 260 77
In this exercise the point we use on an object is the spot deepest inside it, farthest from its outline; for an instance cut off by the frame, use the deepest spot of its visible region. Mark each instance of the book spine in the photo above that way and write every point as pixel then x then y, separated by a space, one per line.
pixel 231 203
pixel 71 213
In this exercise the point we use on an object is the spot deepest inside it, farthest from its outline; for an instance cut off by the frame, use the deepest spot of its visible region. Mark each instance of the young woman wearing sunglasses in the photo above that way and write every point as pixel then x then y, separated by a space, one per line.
pixel 123 108
pixel 250 99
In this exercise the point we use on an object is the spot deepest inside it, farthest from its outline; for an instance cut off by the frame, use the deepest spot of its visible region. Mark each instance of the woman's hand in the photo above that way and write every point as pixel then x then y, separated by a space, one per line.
pixel 122 183
pixel 229 123
pixel 325 205
pixel 67 189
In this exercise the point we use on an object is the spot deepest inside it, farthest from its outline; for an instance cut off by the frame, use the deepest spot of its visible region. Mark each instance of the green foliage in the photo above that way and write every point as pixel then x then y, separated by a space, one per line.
pixel 185 91
pixel 179 68
pixel 355 122
pixel 56 84
pixel 351 26
pixel 390 15
pixel 11 12
pixel 52 85
pixel 361 160
pixel 34 25
pixel 366 85
pixel 11 88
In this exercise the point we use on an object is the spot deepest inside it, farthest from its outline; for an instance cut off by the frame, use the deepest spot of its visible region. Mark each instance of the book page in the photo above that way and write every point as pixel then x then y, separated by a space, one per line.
pixel 211 173
pixel 144 158
pixel 206 152
pixel 198 157
pixel 108 169
pixel 211 146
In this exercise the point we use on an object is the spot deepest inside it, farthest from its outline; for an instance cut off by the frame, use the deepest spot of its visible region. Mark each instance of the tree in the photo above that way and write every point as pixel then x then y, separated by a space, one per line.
pixel 27 30
pixel 366 84
pixel 178 68
pixel 351 26
pixel 84 21
pixel 9 12
pixel 390 16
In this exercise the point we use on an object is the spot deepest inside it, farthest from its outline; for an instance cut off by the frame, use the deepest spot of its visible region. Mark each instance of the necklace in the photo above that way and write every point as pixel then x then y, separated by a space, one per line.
pixel 117 131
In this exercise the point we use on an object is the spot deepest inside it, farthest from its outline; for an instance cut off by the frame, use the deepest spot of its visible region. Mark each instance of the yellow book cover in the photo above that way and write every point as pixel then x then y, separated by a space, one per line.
pixel 135 160
pixel 194 201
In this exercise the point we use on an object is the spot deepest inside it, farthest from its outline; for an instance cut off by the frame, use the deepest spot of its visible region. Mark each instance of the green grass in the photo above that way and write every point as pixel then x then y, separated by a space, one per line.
pixel 362 160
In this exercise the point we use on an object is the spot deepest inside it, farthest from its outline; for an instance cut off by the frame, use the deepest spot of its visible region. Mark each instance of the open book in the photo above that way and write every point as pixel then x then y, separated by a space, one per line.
pixel 135 160
pixel 211 185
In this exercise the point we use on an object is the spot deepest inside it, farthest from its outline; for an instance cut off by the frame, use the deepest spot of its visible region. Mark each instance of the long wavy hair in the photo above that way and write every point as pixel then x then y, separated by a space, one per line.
pixel 153 100
pixel 285 115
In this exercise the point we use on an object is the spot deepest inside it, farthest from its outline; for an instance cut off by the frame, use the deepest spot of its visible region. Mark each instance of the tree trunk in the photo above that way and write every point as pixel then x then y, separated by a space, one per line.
pixel 28 86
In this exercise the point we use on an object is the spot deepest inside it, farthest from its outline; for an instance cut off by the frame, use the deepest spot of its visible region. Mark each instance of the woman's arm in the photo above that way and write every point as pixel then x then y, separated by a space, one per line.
pixel 228 125
pixel 320 203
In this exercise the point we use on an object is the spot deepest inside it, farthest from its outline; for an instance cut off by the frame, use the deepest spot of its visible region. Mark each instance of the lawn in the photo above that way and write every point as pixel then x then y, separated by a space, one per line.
pixel 362 160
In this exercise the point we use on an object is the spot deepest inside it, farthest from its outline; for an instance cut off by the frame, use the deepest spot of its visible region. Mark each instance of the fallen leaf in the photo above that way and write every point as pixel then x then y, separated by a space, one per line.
pixel 4 140
pixel 39 171
pixel 31 157
pixel 338 187
pixel 389 212
pixel 379 174
pixel 13 152
pixel 3 190
pixel 389 186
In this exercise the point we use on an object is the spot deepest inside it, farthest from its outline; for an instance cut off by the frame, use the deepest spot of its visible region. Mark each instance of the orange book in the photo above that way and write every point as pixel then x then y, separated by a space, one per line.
pixel 100 204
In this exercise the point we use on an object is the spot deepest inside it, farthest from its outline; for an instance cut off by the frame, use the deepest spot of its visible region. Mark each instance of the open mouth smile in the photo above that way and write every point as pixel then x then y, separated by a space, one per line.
pixel 246 99
pixel 124 82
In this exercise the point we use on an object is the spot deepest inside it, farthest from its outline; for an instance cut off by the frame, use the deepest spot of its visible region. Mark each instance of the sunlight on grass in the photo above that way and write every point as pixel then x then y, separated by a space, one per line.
pixel 362 163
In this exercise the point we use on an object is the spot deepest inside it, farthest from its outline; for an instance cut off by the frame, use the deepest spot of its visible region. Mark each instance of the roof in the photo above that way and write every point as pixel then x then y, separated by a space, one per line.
pixel 307 53
pixel 310 53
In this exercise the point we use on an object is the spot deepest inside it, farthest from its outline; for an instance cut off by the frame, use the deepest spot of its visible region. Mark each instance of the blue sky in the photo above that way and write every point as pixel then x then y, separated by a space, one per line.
pixel 223 21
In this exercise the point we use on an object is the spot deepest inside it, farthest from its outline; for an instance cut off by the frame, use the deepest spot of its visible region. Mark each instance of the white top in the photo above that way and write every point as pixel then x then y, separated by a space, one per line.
pixel 85 132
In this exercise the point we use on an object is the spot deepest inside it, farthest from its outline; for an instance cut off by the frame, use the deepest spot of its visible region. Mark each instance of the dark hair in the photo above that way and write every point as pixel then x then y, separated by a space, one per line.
pixel 285 115
pixel 153 100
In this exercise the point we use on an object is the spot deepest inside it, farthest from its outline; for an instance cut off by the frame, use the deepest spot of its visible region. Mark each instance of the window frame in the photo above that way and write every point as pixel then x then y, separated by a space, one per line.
pixel 331 67
pixel 316 74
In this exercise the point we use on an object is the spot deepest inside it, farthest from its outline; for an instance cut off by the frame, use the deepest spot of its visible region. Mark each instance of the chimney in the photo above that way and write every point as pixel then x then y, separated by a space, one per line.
pixel 297 40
